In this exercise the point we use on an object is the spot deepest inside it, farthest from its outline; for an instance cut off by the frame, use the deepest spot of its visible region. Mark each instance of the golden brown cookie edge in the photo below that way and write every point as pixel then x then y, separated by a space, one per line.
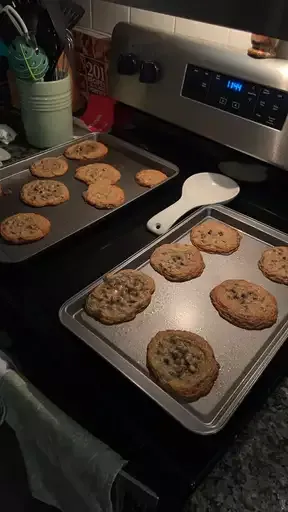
pixel 33 168
pixel 102 205
pixel 234 319
pixel 212 250
pixel 142 182
pixel 68 153
pixel 180 278
pixel 15 240
pixel 185 393
pixel 49 203
pixel 267 274
pixel 109 321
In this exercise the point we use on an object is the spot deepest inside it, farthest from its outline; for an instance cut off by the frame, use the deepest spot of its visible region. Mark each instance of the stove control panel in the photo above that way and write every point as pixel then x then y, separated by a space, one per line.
pixel 212 90
pixel 150 72
pixel 264 105
pixel 128 64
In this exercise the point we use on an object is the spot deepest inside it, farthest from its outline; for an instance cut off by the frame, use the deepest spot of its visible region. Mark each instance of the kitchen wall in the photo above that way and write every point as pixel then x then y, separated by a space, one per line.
pixel 103 16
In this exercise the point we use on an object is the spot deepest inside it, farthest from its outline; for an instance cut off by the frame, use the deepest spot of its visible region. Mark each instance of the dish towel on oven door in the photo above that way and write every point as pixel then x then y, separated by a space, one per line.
pixel 67 467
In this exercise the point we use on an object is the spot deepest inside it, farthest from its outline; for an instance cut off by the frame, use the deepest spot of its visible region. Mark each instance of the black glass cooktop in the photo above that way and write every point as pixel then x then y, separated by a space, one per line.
pixel 264 188
pixel 161 452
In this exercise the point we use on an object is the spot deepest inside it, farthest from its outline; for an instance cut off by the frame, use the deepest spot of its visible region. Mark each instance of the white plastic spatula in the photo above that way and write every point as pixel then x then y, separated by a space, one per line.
pixel 198 190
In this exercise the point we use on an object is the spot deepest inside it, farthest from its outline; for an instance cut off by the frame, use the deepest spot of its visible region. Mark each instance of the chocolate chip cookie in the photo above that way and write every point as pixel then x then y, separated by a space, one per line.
pixel 120 297
pixel 24 227
pixel 215 237
pixel 245 304
pixel 104 195
pixel 49 167
pixel 182 363
pixel 150 178
pixel 86 150
pixel 177 262
pixel 92 173
pixel 44 193
pixel 274 264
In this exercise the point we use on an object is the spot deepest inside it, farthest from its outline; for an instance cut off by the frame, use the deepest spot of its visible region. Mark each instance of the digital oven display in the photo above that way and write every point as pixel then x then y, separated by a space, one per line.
pixel 264 105
pixel 234 86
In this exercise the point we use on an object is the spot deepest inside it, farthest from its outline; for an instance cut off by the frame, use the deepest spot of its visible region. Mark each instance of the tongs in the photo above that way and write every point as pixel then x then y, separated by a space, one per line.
pixel 17 21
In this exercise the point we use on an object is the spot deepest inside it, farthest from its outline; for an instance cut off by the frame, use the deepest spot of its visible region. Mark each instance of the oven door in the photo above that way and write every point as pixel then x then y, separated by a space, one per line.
pixel 269 18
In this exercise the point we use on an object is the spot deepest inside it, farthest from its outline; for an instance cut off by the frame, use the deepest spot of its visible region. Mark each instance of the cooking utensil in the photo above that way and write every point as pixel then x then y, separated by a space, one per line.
pixel 62 67
pixel 3 49
pixel 16 20
pixel 27 62
pixel 198 190
pixel 48 39
pixel 242 355
pixel 72 13
pixel 30 11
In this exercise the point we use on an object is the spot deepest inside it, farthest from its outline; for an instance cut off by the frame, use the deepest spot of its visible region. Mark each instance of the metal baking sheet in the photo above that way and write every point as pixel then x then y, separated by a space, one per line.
pixel 243 355
pixel 75 214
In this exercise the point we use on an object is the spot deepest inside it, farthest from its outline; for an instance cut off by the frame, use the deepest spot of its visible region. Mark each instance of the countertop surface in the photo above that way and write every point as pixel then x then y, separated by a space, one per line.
pixel 253 473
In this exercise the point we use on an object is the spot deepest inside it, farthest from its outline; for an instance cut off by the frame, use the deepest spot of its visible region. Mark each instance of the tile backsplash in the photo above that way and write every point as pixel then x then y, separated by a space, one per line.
pixel 103 16
pixel 153 20
pixel 106 15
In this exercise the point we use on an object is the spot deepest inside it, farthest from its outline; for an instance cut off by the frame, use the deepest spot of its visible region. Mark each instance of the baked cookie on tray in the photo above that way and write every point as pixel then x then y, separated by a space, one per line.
pixel 94 172
pixel 182 363
pixel 24 227
pixel 49 167
pixel 150 177
pixel 104 195
pixel 86 150
pixel 44 193
pixel 120 297
pixel 274 264
pixel 215 237
pixel 245 304
pixel 177 262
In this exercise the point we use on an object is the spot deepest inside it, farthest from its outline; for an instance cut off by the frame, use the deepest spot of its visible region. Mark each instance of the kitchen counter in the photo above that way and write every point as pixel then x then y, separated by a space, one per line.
pixel 19 149
pixel 253 474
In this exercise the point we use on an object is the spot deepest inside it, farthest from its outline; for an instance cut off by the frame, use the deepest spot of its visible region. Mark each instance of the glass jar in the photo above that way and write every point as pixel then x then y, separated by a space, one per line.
pixel 263 47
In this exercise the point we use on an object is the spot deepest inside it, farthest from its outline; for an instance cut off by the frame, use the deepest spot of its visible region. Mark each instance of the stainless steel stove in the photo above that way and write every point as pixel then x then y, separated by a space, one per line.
pixel 206 108
pixel 163 109
pixel 213 91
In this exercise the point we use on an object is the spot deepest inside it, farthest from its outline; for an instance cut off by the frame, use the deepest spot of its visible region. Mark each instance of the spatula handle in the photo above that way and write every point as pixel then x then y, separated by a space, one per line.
pixel 162 221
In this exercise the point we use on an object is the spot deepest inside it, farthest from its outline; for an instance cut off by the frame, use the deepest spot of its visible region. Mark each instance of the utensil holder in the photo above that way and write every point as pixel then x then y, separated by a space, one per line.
pixel 46 109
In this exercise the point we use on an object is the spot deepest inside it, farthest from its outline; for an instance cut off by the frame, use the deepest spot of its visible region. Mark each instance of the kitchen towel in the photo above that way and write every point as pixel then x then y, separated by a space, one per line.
pixel 67 467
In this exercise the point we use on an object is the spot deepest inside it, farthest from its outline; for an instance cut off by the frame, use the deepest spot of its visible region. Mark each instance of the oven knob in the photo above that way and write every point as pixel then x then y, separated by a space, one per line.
pixel 128 64
pixel 150 72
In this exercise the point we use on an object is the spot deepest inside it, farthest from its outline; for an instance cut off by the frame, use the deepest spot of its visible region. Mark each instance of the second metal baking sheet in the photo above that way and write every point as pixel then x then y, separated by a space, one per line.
pixel 242 354
pixel 75 214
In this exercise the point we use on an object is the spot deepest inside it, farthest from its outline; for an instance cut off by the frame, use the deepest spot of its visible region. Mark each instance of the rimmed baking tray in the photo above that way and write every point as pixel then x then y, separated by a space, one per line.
pixel 243 355
pixel 75 214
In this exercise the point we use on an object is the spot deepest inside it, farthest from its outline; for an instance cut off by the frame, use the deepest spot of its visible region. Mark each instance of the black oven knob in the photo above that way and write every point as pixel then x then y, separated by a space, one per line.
pixel 150 72
pixel 128 64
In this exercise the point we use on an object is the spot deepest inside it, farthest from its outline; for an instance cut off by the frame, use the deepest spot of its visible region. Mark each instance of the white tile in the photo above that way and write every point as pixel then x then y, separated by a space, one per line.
pixel 200 30
pixel 106 15
pixel 86 21
pixel 239 39
pixel 152 20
